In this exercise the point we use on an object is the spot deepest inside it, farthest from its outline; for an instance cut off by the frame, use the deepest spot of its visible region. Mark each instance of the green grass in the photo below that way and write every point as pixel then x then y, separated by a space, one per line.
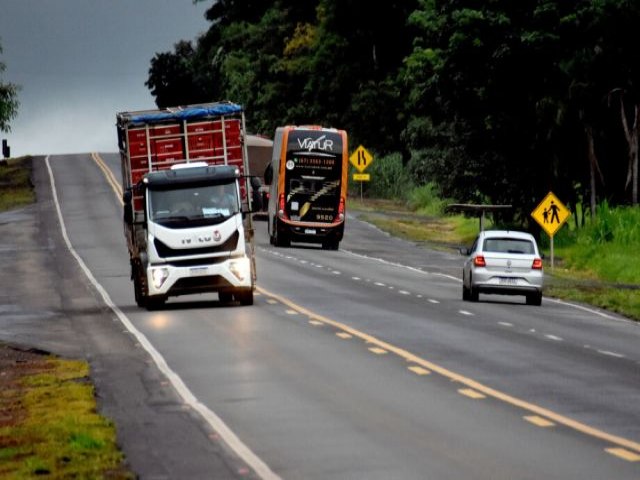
pixel 55 430
pixel 16 189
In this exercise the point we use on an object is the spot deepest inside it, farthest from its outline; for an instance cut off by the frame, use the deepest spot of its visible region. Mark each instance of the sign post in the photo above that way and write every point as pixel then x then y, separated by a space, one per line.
pixel 551 214
pixel 361 159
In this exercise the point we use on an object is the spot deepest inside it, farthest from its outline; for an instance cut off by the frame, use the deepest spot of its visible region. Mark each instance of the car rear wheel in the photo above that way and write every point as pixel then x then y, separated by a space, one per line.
pixel 534 299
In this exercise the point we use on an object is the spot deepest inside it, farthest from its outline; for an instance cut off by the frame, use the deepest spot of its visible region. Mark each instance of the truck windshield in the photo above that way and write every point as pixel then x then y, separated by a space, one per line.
pixel 193 206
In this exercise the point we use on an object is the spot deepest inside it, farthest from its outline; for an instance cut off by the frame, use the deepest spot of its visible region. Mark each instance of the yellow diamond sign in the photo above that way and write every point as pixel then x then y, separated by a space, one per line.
pixel 360 159
pixel 551 214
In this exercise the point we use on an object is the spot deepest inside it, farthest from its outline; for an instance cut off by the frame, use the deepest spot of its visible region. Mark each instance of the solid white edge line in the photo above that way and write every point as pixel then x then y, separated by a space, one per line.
pixel 212 419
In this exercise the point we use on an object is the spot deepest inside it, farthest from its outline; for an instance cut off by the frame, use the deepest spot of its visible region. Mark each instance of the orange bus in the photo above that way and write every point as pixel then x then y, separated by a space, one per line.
pixel 308 186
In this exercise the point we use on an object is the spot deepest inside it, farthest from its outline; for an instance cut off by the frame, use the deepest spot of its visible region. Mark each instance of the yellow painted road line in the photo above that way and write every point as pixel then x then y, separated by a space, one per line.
pixel 539 421
pixel 419 370
pixel 471 393
pixel 344 335
pixel 378 351
pixel 111 179
pixel 468 382
pixel 624 454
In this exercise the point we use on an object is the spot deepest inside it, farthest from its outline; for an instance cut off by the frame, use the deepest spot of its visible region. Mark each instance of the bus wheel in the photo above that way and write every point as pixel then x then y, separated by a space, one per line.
pixel 280 239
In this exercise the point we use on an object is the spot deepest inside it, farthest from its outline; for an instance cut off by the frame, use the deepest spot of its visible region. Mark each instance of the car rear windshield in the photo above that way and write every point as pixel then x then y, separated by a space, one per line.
pixel 508 245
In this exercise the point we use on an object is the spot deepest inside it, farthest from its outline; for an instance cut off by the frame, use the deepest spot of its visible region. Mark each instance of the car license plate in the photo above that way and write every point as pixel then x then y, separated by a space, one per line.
pixel 310 231
pixel 508 281
pixel 198 271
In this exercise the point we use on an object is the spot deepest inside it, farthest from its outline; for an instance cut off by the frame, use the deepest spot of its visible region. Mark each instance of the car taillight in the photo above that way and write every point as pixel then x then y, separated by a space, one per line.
pixel 479 261
pixel 537 264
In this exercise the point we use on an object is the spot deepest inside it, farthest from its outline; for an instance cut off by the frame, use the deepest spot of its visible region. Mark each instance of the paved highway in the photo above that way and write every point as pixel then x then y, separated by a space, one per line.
pixel 358 363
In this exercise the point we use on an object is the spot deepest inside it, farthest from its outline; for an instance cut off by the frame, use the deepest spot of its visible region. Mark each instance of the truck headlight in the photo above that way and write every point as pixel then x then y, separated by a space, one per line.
pixel 240 268
pixel 159 275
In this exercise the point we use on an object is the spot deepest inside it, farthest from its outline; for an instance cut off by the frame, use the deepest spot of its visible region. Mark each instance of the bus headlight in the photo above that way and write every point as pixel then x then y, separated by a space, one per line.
pixel 240 268
pixel 159 276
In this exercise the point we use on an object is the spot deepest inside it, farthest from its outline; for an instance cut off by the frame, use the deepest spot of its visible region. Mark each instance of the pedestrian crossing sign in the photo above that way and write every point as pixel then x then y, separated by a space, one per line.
pixel 551 214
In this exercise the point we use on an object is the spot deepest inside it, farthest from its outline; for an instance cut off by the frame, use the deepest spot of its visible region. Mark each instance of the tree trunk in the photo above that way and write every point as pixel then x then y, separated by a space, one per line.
pixel 631 134
pixel 594 168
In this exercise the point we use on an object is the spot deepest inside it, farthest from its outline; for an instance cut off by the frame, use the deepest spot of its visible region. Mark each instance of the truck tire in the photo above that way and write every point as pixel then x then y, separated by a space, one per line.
pixel 139 288
pixel 156 302
pixel 225 297
pixel 245 297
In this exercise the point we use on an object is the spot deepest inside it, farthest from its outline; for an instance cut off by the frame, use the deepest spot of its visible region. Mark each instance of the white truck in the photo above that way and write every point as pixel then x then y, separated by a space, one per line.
pixel 187 202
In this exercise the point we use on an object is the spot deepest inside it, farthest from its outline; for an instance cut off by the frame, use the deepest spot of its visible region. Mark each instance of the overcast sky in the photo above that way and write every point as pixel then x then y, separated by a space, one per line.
pixel 79 62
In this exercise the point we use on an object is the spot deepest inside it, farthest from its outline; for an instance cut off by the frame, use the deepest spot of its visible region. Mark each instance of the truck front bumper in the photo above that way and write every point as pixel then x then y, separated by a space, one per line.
pixel 171 280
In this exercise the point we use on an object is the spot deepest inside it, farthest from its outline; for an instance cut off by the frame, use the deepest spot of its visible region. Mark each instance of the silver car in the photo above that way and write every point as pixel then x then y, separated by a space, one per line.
pixel 503 262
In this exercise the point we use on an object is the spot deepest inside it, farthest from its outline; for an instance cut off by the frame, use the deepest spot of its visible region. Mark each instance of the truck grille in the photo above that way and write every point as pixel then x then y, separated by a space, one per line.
pixel 167 252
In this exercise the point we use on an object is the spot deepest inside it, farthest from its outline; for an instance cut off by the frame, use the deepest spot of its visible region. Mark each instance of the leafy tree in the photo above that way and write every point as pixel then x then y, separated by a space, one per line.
pixel 174 79
pixel 8 101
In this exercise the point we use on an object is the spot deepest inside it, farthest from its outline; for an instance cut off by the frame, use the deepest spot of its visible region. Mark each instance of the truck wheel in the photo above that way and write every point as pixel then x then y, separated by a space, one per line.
pixel 138 289
pixel 245 297
pixel 225 297
pixel 155 302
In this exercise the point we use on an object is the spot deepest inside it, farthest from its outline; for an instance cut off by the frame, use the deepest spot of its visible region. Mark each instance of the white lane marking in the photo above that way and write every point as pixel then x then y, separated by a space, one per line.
pixel 242 450
pixel 379 284
pixel 610 354
pixel 554 338
pixel 413 269
pixel 466 312
pixel 505 324
pixel 404 292
pixel 336 272
pixel 431 300
pixel 356 278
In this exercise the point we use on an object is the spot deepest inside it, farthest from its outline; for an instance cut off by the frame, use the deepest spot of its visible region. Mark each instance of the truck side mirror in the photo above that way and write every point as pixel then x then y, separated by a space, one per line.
pixel 128 207
pixel 268 175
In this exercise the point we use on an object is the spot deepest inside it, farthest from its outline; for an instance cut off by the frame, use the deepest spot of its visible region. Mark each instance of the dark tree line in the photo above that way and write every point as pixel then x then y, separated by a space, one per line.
pixel 495 101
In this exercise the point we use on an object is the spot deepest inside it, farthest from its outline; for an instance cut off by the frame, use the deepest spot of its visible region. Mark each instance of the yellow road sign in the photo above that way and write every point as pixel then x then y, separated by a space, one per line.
pixel 360 159
pixel 551 214
pixel 362 177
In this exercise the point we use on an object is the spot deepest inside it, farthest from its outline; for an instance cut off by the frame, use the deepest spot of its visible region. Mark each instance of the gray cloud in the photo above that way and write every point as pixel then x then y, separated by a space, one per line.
pixel 79 62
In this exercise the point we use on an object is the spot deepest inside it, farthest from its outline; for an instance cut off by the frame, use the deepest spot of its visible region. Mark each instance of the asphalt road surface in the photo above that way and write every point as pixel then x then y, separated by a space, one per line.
pixel 358 363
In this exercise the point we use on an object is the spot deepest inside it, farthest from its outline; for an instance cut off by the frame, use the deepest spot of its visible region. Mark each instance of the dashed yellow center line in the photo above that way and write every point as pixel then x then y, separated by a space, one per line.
pixel 316 323
pixel 471 393
pixel 378 350
pixel 419 370
pixel 344 335
pixel 292 312
pixel 271 301
pixel 623 454
pixel 539 421
pixel 472 385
